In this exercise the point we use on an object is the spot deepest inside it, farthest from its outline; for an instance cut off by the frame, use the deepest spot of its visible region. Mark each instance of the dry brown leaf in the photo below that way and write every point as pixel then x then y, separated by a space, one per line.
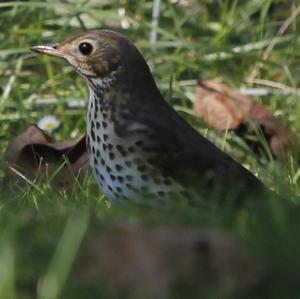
pixel 34 155
pixel 222 108
pixel 151 263
pixel 215 108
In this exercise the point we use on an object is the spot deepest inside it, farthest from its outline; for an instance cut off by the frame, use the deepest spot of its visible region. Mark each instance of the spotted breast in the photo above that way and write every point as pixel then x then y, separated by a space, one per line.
pixel 121 150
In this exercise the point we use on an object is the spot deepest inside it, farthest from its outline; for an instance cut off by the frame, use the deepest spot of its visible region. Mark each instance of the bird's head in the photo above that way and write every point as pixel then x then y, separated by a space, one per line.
pixel 94 54
pixel 103 58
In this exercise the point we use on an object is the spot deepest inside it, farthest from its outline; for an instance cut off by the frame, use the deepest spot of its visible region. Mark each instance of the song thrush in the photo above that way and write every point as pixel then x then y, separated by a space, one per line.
pixel 138 146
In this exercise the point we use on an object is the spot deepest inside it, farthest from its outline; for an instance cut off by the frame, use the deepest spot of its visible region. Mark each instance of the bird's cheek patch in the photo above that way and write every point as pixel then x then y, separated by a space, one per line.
pixel 80 67
pixel 102 69
pixel 74 62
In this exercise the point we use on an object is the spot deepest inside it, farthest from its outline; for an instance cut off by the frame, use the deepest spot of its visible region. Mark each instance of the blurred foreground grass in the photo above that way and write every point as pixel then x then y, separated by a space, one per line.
pixel 41 229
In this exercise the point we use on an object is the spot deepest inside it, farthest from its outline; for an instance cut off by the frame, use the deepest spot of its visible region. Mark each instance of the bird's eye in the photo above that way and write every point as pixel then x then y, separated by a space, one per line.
pixel 85 48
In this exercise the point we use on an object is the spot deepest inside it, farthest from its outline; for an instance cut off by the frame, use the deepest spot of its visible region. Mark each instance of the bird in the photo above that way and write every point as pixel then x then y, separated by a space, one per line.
pixel 139 147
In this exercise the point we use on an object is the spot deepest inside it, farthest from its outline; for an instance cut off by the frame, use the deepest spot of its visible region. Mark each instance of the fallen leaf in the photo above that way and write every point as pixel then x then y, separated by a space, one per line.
pixel 222 108
pixel 215 108
pixel 34 156
pixel 152 263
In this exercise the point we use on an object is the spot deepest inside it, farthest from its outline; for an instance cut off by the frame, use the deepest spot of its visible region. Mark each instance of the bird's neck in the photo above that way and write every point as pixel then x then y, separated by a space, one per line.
pixel 108 106
pixel 121 96
pixel 99 86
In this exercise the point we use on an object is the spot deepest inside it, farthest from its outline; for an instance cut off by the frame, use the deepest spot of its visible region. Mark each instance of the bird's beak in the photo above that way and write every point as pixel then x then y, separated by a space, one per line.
pixel 50 49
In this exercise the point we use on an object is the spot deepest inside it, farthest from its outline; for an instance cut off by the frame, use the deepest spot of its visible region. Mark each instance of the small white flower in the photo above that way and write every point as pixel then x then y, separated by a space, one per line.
pixel 49 123
pixel 74 134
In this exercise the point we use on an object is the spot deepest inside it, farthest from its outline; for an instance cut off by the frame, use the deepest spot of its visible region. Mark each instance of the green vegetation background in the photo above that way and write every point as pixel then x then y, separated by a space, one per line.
pixel 41 228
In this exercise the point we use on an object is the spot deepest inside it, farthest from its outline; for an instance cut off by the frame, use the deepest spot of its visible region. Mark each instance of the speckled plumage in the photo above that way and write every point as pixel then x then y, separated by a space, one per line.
pixel 139 147
pixel 121 161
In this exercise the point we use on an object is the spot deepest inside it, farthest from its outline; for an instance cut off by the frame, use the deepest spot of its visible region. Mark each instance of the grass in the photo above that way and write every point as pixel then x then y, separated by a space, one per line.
pixel 38 239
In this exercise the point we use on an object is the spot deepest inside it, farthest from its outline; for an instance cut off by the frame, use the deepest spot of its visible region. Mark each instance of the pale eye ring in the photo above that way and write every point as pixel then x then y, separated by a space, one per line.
pixel 85 48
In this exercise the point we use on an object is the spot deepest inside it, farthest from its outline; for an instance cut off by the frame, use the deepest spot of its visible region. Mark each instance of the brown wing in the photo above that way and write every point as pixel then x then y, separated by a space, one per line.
pixel 190 158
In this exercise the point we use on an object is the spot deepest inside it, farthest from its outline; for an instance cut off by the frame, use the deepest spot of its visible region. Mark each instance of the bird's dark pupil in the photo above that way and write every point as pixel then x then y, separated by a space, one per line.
pixel 85 48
